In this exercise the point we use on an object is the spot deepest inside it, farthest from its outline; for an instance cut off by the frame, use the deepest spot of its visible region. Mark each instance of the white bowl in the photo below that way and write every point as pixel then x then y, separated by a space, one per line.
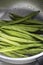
pixel 20 60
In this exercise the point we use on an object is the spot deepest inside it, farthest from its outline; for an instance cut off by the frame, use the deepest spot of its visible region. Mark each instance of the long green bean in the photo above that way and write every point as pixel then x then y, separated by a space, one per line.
pixel 16 17
pixel 20 47
pixel 30 51
pixel 17 34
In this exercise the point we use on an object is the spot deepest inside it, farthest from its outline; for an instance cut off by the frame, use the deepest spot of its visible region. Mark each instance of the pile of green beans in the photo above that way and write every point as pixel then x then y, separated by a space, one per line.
pixel 19 38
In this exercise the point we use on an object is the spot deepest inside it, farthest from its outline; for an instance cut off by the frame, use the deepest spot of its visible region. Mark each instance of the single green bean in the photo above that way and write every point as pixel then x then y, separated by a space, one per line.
pixel 16 17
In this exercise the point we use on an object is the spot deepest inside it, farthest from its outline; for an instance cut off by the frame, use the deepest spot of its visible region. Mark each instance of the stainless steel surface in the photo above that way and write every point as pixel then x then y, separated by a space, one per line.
pixel 21 7
pixel 24 4
pixel 5 5
pixel 33 3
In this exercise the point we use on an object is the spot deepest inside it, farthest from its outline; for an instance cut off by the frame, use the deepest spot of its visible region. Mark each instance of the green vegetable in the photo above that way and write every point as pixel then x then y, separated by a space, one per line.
pixel 37 36
pixel 31 28
pixel 30 51
pixel 29 46
pixel 27 17
pixel 18 37
pixel 10 42
pixel 23 19
pixel 32 21
pixel 14 55
pixel 16 17
pixel 15 33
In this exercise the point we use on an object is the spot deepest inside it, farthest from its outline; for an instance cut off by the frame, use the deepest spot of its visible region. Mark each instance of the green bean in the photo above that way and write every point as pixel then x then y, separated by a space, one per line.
pixel 13 22
pixel 35 51
pixel 16 17
pixel 14 54
pixel 27 17
pixel 9 27
pixel 5 44
pixel 23 19
pixel 36 36
pixel 2 45
pixel 20 20
pixel 34 22
pixel 8 54
pixel 1 23
pixel 41 29
pixel 16 39
pixel 20 47
pixel 8 41
pixel 30 51
pixel 24 25
pixel 17 34
pixel 27 28
pixel 30 28
pixel 16 28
